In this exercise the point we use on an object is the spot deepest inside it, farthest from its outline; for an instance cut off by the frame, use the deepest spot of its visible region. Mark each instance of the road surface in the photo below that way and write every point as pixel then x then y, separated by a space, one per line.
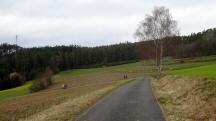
pixel 132 102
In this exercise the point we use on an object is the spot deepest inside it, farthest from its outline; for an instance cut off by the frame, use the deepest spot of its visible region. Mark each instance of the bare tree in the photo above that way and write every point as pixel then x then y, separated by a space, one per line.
pixel 157 27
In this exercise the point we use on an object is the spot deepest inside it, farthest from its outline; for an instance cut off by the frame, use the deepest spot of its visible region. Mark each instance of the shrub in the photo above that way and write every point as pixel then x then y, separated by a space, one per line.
pixel 43 82
pixel 16 79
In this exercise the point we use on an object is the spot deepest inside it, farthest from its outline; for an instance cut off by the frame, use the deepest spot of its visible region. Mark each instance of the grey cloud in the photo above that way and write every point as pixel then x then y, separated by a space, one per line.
pixel 93 22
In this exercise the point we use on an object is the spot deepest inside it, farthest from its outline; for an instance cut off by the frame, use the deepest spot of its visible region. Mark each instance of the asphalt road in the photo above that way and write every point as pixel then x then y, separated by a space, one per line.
pixel 132 102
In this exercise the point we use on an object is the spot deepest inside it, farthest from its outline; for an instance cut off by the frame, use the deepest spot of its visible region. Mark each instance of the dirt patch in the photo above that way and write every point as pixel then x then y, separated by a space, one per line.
pixel 186 98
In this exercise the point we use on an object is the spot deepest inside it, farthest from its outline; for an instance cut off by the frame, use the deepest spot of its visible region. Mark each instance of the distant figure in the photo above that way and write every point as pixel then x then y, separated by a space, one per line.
pixel 64 86
pixel 125 76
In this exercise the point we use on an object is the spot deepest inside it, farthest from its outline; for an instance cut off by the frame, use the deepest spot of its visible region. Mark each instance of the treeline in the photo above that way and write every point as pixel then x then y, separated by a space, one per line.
pixel 199 44
pixel 196 44
pixel 30 62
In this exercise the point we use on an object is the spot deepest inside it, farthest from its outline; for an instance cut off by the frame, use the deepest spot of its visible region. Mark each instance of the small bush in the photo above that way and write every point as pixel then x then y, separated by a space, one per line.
pixel 43 82
pixel 16 79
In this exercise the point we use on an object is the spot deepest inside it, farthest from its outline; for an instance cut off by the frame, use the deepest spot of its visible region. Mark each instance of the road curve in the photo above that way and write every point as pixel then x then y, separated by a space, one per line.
pixel 132 102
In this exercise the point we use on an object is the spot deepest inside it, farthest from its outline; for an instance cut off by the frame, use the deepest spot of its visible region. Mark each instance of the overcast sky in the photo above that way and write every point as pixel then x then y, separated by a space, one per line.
pixel 93 22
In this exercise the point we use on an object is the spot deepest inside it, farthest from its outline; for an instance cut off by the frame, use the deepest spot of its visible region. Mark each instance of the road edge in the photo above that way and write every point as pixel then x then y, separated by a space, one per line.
pixel 162 110
pixel 103 97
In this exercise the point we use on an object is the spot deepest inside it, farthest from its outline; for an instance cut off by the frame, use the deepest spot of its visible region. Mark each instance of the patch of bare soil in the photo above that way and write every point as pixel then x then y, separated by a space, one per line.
pixel 186 98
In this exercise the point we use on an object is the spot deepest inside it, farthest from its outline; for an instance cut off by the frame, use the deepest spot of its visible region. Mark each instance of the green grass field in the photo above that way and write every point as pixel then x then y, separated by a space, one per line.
pixel 205 71
pixel 127 68
pixel 18 91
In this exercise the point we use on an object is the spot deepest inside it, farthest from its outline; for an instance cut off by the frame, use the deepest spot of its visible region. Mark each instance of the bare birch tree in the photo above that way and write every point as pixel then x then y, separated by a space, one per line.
pixel 157 27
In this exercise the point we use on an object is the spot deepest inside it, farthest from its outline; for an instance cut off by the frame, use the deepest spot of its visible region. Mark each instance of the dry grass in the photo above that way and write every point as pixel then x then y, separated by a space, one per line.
pixel 186 98
pixel 23 107
pixel 69 109
pixel 91 79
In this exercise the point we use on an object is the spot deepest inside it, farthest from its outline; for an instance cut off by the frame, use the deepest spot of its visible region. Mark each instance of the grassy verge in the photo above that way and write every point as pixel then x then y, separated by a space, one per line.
pixel 189 93
pixel 70 109
pixel 186 98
